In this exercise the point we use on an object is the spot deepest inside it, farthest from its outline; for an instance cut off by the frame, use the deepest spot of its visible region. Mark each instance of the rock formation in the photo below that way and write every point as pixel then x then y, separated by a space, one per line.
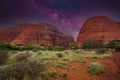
pixel 7 35
pixel 37 34
pixel 100 28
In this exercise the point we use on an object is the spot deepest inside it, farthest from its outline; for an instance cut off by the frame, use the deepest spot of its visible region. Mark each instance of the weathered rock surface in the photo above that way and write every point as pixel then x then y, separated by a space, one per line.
pixel 7 35
pixel 37 34
pixel 99 28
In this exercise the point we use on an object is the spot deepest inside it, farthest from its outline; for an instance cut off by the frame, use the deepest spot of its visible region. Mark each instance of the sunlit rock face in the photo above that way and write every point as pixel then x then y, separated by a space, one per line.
pixel 37 34
pixel 100 28
pixel 9 34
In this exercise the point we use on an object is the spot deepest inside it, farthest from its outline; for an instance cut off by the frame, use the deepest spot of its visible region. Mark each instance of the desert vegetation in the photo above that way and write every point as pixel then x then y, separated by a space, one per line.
pixel 29 62
pixel 113 44
pixel 96 68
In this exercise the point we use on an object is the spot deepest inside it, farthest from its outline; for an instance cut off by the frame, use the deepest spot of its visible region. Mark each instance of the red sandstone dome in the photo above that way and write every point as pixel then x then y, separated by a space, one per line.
pixel 99 28
pixel 37 34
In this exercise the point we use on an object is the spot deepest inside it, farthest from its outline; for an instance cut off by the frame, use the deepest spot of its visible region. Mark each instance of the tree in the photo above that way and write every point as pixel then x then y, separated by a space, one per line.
pixel 72 45
pixel 92 44
pixel 113 44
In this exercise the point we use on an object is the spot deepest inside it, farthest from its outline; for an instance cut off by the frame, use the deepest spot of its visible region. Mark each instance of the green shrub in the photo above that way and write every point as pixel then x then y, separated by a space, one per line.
pixel 22 57
pixel 44 75
pixel 3 56
pixel 18 47
pixel 4 45
pixel 59 55
pixel 39 53
pixel 30 47
pixel 10 61
pixel 10 46
pixel 92 44
pixel 96 68
pixel 21 71
pixel 53 73
pixel 117 48
pixel 114 44
pixel 72 45
pixel 100 50
pixel 55 48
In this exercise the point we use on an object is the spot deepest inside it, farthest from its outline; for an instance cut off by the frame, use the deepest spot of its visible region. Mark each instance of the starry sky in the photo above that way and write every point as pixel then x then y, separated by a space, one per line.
pixel 67 15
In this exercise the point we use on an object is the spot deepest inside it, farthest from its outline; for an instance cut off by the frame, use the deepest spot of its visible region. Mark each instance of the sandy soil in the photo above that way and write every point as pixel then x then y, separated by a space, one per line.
pixel 117 59
pixel 78 71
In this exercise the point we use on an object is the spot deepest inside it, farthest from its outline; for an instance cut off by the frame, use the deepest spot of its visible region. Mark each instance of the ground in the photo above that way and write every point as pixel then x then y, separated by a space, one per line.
pixel 78 71
pixel 69 64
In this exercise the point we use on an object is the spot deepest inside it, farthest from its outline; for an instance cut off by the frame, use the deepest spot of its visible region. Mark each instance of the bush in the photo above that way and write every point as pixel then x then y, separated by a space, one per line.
pixel 55 48
pixel 59 55
pixel 114 44
pixel 10 46
pixel 3 56
pixel 96 68
pixel 92 44
pixel 53 73
pixel 100 51
pixel 22 57
pixel 44 75
pixel 117 48
pixel 30 47
pixel 21 71
pixel 72 45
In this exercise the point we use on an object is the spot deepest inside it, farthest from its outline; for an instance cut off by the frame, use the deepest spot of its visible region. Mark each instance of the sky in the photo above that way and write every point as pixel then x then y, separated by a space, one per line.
pixel 67 15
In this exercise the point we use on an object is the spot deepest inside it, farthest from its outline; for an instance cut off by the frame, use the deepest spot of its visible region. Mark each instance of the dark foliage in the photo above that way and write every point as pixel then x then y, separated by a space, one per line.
pixel 7 46
pixel 100 50
pixel 55 48
pixel 19 71
pixel 92 44
pixel 22 57
pixel 114 44
pixel 59 55
pixel 3 56
pixel 73 46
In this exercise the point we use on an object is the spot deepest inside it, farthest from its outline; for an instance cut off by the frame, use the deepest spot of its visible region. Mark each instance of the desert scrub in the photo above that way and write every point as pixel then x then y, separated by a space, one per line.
pixel 96 68
pixel 22 56
pixel 53 73
pixel 100 51
pixel 83 61
pixel 44 75
pixel 92 44
pixel 3 56
pixel 21 71
pixel 60 55
pixel 10 61
pixel 39 53
pixel 18 57
pixel 113 44
pixel 77 51
pixel 55 48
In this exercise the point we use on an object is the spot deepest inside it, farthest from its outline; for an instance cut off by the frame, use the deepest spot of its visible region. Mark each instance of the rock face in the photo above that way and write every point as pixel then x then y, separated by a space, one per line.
pixel 37 34
pixel 10 34
pixel 100 28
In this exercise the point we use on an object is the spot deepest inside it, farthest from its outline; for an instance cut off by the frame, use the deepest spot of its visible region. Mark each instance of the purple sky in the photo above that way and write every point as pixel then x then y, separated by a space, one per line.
pixel 67 15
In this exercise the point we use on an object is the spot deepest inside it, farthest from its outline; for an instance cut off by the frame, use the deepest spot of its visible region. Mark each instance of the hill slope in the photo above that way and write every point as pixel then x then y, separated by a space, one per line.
pixel 37 34
pixel 99 28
